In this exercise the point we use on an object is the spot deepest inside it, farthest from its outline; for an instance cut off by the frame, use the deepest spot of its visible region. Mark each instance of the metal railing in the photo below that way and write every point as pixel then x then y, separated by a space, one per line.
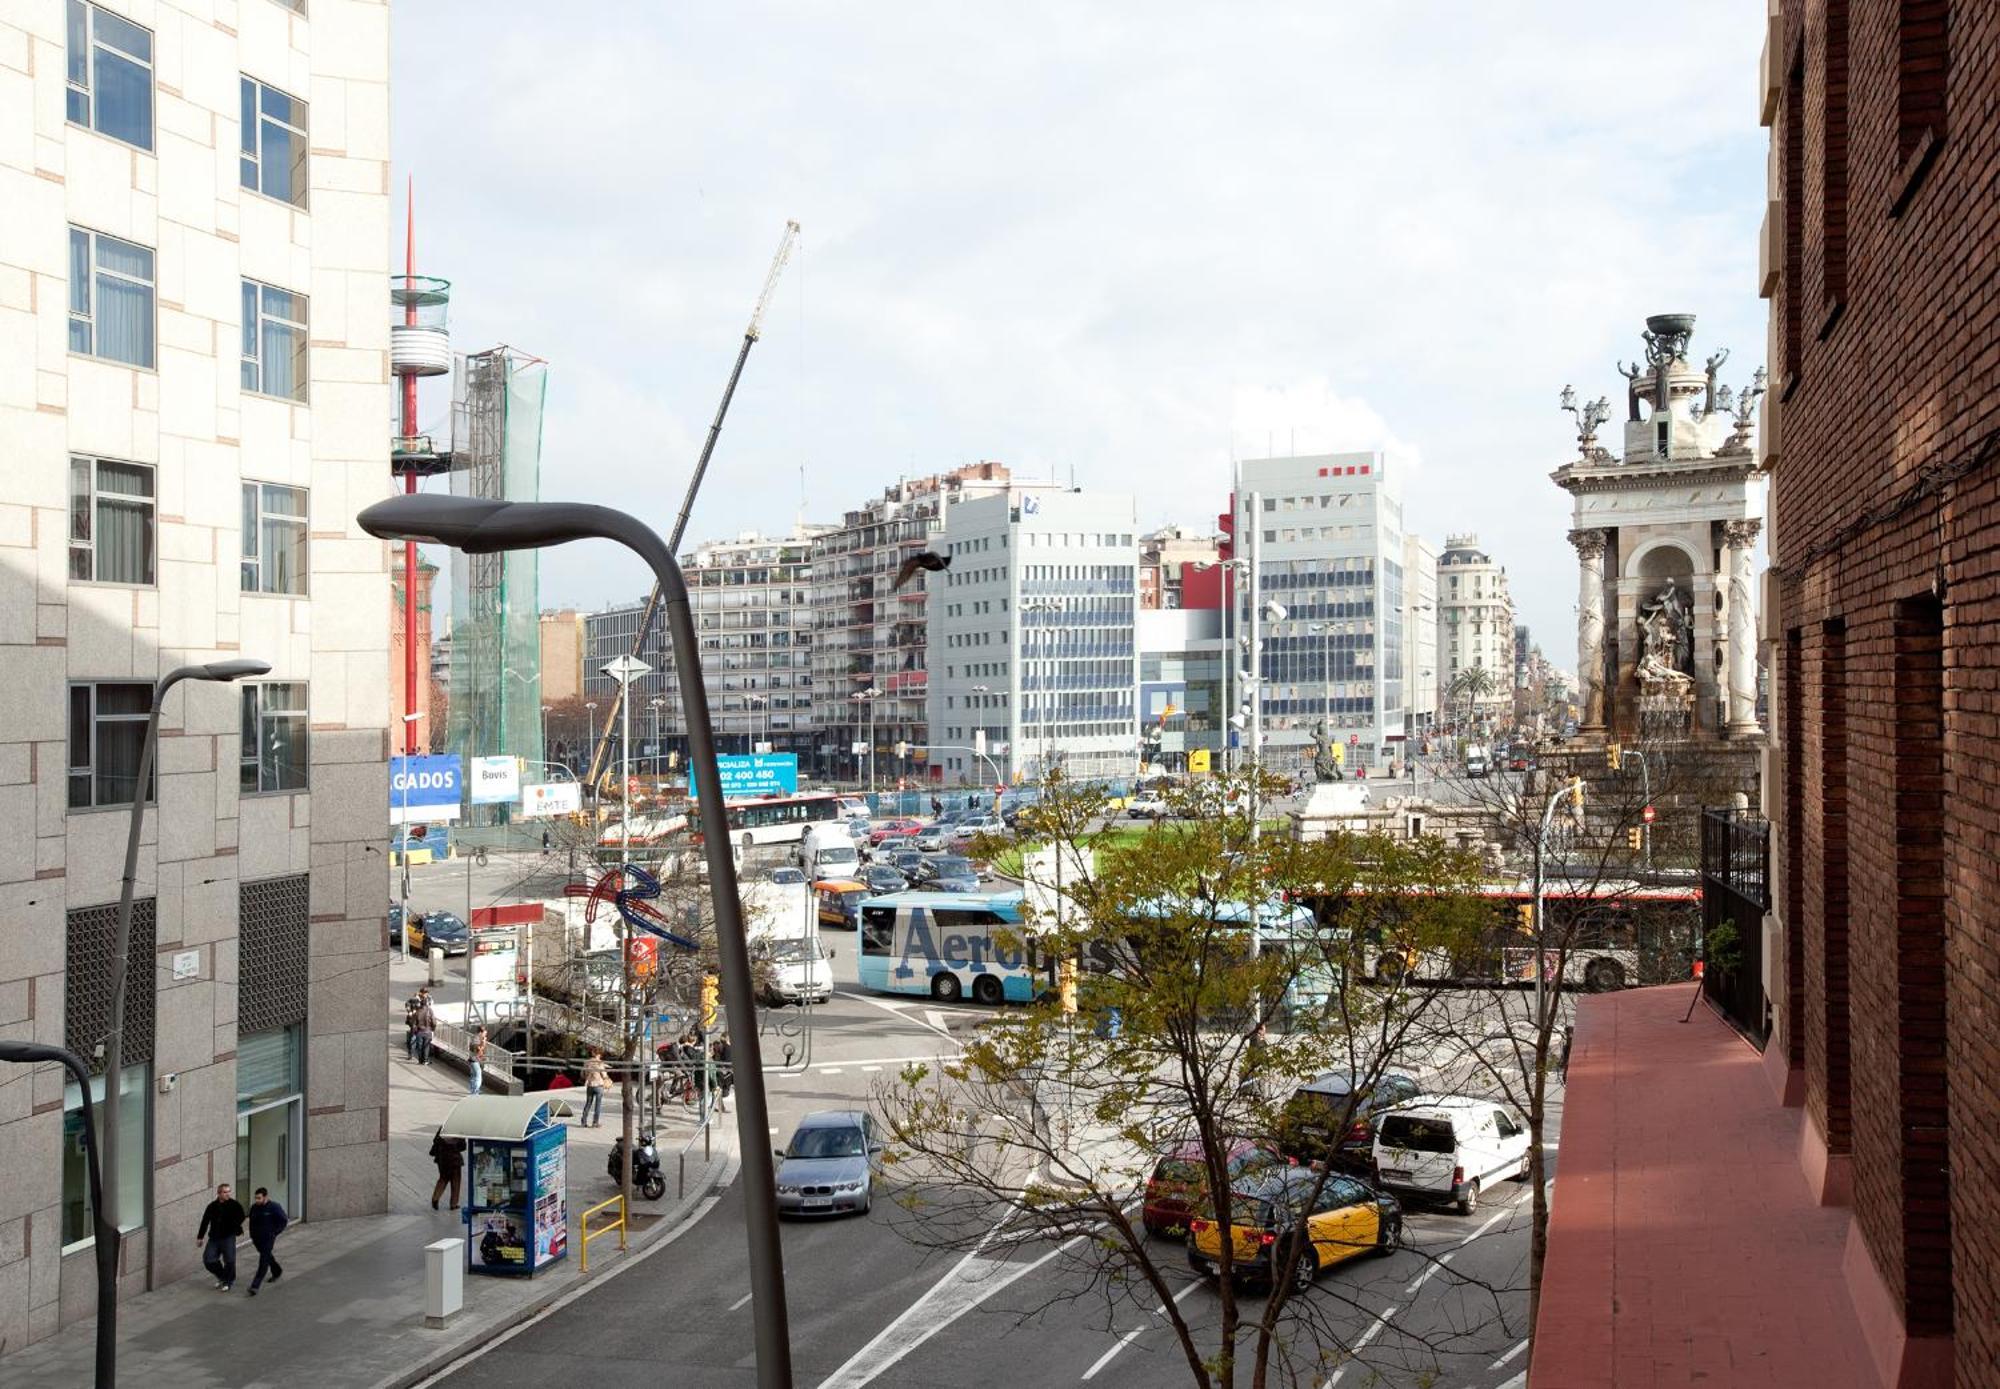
pixel 589 1234
pixel 499 1062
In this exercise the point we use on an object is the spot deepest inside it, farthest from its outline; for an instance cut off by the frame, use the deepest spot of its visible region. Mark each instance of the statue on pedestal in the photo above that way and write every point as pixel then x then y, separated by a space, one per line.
pixel 1666 688
pixel 1326 762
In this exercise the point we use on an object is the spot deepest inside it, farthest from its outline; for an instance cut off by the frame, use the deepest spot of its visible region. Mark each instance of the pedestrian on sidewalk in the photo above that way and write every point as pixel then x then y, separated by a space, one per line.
pixel 449 1155
pixel 596 1080
pixel 424 1027
pixel 410 1009
pixel 937 807
pixel 267 1221
pixel 725 1074
pixel 476 1062
pixel 221 1224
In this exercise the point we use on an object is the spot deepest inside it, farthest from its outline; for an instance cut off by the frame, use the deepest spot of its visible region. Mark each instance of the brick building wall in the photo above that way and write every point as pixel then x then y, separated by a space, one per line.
pixel 1883 256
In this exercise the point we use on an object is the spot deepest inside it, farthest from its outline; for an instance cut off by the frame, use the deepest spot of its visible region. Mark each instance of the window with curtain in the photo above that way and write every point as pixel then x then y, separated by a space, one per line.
pixel 111 521
pixel 274 538
pixel 273 156
pixel 274 341
pixel 274 737
pixel 107 730
pixel 110 74
pixel 110 298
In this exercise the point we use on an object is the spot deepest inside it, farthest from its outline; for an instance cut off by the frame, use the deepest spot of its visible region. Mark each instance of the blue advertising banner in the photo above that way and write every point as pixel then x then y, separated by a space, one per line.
pixel 757 774
pixel 425 790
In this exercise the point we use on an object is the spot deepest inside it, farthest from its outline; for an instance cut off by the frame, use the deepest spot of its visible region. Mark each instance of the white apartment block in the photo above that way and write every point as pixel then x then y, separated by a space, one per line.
pixel 1325 533
pixel 1031 636
pixel 1475 629
pixel 194 317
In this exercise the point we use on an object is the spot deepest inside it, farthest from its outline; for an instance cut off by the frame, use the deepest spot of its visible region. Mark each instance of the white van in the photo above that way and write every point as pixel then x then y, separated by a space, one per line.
pixel 800 969
pixel 1449 1148
pixel 828 851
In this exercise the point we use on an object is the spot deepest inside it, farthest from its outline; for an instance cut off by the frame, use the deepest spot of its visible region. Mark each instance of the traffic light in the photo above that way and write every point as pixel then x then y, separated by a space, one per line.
pixel 1634 837
pixel 1339 754
pixel 1576 795
pixel 1066 986
pixel 1613 754
pixel 1526 912
pixel 711 996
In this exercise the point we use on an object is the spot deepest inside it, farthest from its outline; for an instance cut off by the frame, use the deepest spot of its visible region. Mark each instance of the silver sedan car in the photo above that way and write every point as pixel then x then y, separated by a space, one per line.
pixel 829 1165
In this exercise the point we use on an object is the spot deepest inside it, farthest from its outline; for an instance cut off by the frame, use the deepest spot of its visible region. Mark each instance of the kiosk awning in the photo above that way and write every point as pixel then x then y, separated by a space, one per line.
pixel 508 1117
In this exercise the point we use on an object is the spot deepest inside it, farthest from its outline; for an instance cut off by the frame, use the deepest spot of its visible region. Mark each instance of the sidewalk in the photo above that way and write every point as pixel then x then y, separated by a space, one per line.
pixel 349 1311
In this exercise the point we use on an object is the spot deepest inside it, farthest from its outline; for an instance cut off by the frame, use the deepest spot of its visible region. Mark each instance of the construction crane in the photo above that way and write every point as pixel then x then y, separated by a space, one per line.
pixel 600 756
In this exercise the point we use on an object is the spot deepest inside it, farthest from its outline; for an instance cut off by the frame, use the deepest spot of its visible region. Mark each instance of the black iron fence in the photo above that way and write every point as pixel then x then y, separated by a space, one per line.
pixel 1735 894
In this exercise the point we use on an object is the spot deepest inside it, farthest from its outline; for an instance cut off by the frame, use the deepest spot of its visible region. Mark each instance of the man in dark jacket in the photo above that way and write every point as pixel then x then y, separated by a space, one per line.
pixel 267 1221
pixel 221 1223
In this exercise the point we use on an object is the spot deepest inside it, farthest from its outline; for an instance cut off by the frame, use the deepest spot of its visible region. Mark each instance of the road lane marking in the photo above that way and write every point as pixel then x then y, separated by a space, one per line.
pixel 740 1301
pixel 936 1019
pixel 829 1070
pixel 1491 1221
pixel 1517 1381
pixel 895 1010
pixel 1363 1339
pixel 1508 1356
pixel 1129 1337
pixel 877 1062
pixel 1425 1276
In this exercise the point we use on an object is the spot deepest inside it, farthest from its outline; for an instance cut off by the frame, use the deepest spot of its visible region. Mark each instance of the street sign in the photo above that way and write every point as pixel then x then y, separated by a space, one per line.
pixel 542 799
pixel 1354 737
pixel 495 780
pixel 1647 815
pixel 644 954
pixel 758 774
pixel 1197 760
pixel 424 790
pixel 627 668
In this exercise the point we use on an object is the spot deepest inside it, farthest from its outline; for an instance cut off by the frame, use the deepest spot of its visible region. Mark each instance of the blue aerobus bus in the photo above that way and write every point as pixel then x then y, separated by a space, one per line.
pixel 943 945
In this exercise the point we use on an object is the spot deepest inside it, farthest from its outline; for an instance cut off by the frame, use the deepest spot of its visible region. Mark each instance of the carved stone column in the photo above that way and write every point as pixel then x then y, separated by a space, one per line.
pixel 1740 537
pixel 1590 625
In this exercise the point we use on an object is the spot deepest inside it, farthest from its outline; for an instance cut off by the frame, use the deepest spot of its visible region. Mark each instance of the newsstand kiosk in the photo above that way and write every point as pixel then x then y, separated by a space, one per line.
pixel 516 1181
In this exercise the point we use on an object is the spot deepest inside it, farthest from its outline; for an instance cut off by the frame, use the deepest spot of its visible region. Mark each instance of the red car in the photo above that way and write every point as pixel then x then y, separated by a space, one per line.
pixel 894 829
pixel 1180 1182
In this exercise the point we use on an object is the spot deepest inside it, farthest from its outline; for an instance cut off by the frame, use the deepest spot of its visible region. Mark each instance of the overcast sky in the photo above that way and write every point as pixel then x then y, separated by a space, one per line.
pixel 1114 239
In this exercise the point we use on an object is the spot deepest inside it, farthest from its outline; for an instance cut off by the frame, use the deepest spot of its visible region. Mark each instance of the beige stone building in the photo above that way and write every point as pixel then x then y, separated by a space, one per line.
pixel 194 403
pixel 564 641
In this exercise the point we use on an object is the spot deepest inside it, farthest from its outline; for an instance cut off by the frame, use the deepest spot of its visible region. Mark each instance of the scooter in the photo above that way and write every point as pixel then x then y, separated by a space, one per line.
pixel 647 1178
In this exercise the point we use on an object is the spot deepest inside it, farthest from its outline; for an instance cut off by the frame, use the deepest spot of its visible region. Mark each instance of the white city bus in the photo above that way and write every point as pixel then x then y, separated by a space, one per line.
pixel 779 819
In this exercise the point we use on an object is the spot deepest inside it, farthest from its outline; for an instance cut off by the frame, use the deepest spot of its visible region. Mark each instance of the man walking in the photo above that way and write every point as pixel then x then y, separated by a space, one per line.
pixel 267 1221
pixel 424 1027
pixel 449 1155
pixel 476 1062
pixel 596 1080
pixel 221 1223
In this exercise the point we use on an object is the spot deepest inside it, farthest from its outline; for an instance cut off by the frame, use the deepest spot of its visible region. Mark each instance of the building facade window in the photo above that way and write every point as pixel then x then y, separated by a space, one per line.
pixel 273 157
pixel 112 527
pixel 110 75
pixel 274 341
pixel 107 730
pixel 274 538
pixel 110 298
pixel 79 1230
pixel 86 991
pixel 274 737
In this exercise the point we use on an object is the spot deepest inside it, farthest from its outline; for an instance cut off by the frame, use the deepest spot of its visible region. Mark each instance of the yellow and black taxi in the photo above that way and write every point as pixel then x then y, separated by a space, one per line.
pixel 1341 1218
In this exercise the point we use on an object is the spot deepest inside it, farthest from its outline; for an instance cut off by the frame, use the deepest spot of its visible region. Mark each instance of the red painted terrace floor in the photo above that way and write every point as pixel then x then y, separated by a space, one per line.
pixel 1684 1246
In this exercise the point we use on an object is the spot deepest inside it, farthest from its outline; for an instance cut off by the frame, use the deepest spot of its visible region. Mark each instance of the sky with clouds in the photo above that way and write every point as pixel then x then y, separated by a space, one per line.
pixel 1114 240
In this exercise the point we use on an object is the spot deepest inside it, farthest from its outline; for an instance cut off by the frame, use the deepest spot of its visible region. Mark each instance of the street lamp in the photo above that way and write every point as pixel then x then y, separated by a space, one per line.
pixel 29 1054
pixel 1046 607
pixel 487 527
pixel 589 723
pixel 222 672
pixel 868 697
pixel 658 702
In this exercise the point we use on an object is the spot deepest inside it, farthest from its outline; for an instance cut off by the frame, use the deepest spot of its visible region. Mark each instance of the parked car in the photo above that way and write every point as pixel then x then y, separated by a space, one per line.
pixel 859 827
pixel 893 829
pixel 1346 1220
pixel 440 930
pixel 946 873
pixel 965 831
pixel 838 902
pixel 933 840
pixel 1147 806
pixel 1449 1148
pixel 881 878
pixel 395 926
pixel 788 877
pixel 853 806
pixel 906 861
pixel 1316 1109
pixel 829 1165
pixel 1178 1186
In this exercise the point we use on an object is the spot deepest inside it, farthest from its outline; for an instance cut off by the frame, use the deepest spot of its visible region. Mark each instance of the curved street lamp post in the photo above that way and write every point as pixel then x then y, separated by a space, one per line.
pixel 490 527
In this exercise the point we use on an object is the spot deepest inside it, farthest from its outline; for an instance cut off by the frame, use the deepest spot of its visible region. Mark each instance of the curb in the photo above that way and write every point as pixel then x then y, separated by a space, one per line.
pixel 473 1336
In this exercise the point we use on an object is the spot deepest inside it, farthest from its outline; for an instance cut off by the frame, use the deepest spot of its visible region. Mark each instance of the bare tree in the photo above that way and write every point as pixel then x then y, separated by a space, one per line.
pixel 1161 957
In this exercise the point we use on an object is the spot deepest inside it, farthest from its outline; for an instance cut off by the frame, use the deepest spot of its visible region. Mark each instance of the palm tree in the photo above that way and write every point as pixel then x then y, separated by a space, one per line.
pixel 1471 685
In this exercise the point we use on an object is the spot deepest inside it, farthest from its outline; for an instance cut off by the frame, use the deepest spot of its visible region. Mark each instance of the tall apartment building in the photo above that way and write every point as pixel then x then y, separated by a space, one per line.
pixel 1325 533
pixel 194 310
pixel 1420 633
pixel 1031 636
pixel 1475 630
pixel 753 617
pixel 870 635
pixel 564 641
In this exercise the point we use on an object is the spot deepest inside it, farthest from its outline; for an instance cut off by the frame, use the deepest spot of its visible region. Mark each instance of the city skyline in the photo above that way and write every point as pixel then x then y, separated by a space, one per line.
pixel 1115 327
